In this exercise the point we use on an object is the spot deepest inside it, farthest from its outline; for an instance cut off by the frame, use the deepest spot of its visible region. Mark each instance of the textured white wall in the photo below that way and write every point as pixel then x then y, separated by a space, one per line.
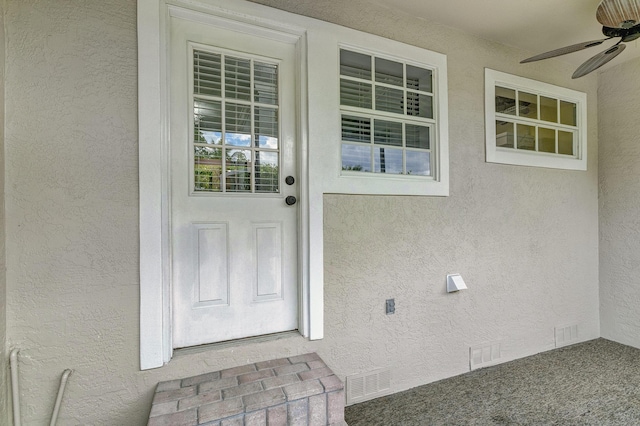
pixel 619 174
pixel 524 239
pixel 71 202
pixel 4 352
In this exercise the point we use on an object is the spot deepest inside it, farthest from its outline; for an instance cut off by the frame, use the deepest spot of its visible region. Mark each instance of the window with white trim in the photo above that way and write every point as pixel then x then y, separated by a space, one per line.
pixel 245 144
pixel 387 115
pixel 532 123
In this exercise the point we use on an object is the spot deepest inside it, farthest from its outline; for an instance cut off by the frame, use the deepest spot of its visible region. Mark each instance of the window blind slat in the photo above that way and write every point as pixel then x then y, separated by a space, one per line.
pixel 417 136
pixel 356 129
pixel 237 78
pixel 207 121
pixel 207 73
pixel 387 133
pixel 389 100
pixel 266 83
pixel 419 105
pixel 353 93
pixel 266 127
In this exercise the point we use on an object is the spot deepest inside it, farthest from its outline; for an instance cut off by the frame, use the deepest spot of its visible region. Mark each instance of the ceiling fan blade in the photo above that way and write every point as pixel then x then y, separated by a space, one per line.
pixel 599 60
pixel 565 50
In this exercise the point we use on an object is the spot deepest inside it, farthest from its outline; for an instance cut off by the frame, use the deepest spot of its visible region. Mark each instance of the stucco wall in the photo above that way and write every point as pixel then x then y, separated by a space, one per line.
pixel 524 239
pixel 619 175
pixel 4 352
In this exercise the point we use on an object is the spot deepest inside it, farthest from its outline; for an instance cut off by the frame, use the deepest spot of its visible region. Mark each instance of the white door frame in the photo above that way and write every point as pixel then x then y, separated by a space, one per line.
pixel 153 120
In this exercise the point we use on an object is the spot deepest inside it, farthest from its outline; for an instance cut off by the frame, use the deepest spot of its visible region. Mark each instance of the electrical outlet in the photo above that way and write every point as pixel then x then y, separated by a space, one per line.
pixel 390 306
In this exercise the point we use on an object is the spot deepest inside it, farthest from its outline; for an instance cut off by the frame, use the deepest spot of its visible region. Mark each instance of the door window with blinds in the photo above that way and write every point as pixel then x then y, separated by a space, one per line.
pixel 236 147
pixel 388 119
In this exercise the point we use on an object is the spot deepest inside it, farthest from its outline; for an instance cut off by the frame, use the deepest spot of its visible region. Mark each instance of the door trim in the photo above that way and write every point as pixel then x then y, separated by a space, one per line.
pixel 153 115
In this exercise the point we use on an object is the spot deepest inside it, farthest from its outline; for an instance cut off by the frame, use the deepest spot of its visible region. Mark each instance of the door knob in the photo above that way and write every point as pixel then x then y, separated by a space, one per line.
pixel 290 200
pixel 289 180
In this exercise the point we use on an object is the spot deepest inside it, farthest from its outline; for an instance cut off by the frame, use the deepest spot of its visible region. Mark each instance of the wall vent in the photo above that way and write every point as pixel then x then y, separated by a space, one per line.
pixel 485 355
pixel 566 335
pixel 369 385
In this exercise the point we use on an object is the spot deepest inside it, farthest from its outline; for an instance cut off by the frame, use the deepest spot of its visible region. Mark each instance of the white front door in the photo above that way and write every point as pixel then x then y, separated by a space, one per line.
pixel 233 217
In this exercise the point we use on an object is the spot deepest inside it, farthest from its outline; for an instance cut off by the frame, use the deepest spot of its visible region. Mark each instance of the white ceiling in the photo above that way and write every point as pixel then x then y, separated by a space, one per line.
pixel 534 25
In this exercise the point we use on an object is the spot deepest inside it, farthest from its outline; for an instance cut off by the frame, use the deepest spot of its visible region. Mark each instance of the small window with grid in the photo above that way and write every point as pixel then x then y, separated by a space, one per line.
pixel 388 119
pixel 235 124
pixel 533 123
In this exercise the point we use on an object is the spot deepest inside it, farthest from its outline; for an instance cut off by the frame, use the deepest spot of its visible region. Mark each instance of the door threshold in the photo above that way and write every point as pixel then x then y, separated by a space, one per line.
pixel 235 343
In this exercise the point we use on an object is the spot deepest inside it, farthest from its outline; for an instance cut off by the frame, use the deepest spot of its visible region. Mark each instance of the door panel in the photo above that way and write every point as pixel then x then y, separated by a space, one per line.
pixel 234 241
pixel 268 249
pixel 211 264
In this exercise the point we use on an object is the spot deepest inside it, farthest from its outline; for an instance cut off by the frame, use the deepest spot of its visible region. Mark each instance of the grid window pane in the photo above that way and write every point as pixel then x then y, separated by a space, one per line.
pixel 207 122
pixel 568 114
pixel 390 100
pixel 543 130
pixel 528 105
pixel 355 94
pixel 207 73
pixel 266 127
pixel 400 100
pixel 354 64
pixel 207 169
pixel 504 134
pixel 548 109
pixel 526 138
pixel 356 158
pixel 417 136
pixel 387 133
pixel 505 100
pixel 237 77
pixel 387 160
pixel 565 143
pixel 418 163
pixel 238 125
pixel 389 72
pixel 265 85
pixel 267 172
pixel 546 140
pixel 238 171
pixel 419 105
pixel 419 79
pixel 356 129
pixel 236 139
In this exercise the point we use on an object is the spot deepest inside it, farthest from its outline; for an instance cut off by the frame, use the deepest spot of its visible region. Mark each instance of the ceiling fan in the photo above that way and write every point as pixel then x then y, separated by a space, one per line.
pixel 620 18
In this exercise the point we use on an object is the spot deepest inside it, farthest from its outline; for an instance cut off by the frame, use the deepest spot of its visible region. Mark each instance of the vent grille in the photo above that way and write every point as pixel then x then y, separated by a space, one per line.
pixel 369 385
pixel 566 335
pixel 485 355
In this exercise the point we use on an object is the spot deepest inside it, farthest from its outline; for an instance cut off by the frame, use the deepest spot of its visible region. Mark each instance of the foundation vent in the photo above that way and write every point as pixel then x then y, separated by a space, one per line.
pixel 485 355
pixel 369 385
pixel 566 335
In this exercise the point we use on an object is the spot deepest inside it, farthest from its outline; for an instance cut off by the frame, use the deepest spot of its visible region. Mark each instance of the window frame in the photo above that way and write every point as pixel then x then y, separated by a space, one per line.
pixel 355 182
pixel 374 114
pixel 224 146
pixel 495 154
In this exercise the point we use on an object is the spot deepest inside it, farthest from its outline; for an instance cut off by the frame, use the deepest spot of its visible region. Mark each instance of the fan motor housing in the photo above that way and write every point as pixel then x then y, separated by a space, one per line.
pixel 627 34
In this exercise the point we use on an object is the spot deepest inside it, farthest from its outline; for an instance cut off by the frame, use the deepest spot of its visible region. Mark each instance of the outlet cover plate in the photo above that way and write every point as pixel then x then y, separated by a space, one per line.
pixel 390 306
